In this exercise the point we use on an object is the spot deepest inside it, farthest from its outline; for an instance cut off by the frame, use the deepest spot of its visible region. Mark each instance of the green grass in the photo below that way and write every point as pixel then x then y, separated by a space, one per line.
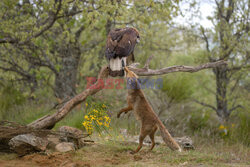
pixel 211 148
pixel 112 151
pixel 117 152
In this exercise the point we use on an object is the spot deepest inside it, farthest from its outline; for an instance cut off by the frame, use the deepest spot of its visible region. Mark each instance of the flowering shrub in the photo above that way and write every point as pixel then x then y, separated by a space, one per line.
pixel 225 130
pixel 97 116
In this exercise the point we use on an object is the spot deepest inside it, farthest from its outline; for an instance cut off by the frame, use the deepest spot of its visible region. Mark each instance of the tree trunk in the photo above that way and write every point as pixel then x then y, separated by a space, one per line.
pixel 221 92
pixel 66 78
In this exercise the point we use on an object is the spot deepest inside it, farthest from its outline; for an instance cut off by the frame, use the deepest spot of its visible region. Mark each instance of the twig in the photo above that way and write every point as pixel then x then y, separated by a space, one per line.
pixel 205 104
pixel 146 66
pixel 235 107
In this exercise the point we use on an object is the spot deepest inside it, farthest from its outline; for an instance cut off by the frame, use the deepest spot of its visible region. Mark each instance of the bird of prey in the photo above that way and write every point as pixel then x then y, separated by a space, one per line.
pixel 120 45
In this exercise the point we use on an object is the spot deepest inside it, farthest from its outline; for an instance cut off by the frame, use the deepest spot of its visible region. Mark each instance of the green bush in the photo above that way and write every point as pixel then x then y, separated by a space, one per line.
pixel 9 97
pixel 178 87
pixel 239 128
pixel 198 121
pixel 204 123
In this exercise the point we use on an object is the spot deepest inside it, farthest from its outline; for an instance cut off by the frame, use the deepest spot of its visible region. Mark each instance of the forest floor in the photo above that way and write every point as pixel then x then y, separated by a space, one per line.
pixel 115 153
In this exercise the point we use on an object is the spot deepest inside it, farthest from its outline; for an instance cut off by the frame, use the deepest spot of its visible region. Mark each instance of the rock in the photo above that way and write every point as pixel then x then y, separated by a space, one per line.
pixel 185 142
pixel 70 130
pixel 53 141
pixel 27 143
pixel 124 132
pixel 65 147
pixel 72 135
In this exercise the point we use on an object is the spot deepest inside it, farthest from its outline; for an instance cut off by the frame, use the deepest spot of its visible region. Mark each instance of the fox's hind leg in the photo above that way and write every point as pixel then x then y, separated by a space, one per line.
pixel 145 130
pixel 141 138
pixel 152 137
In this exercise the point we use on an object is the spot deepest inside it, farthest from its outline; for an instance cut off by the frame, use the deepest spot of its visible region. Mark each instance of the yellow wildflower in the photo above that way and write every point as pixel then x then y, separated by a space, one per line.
pixel 107 118
pixel 106 124
pixel 92 117
pixel 99 123
pixel 222 127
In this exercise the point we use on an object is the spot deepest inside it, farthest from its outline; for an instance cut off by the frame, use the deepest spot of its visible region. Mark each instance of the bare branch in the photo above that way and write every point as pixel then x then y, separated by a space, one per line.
pixel 180 68
pixel 205 104
pixel 210 90
pixel 237 80
pixel 146 66
pixel 49 25
pixel 230 10
pixel 8 40
pixel 235 107
pixel 52 18
pixel 205 38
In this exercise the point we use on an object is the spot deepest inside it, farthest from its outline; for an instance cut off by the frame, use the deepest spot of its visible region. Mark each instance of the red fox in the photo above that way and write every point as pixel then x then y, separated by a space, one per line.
pixel 145 114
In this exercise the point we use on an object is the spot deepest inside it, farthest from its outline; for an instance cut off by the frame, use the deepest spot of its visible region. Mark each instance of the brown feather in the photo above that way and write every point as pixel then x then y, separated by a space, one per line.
pixel 121 42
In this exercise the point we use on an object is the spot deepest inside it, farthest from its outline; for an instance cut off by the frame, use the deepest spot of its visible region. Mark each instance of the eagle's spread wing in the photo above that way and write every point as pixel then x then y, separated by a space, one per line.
pixel 120 43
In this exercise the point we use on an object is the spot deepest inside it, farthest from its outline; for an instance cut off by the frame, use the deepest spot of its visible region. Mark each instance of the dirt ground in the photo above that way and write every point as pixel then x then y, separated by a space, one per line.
pixel 112 153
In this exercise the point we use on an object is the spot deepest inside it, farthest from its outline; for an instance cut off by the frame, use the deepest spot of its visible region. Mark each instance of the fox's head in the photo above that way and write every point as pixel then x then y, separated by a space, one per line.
pixel 132 79
pixel 130 74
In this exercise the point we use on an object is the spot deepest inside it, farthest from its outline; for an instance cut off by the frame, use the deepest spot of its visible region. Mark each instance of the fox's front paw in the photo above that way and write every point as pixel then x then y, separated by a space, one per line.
pixel 118 115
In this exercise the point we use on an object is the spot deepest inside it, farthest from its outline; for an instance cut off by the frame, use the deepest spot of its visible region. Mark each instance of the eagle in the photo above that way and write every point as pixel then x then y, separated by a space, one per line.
pixel 120 45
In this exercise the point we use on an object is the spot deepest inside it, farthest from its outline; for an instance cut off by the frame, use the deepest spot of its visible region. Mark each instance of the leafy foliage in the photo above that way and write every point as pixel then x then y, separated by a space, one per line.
pixel 47 48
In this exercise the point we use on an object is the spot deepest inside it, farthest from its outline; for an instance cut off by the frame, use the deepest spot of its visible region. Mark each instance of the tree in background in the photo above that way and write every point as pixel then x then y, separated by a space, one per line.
pixel 228 40
pixel 50 42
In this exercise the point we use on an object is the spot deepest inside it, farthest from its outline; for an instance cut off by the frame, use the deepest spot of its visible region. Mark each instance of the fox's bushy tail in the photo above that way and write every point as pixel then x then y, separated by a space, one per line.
pixel 167 138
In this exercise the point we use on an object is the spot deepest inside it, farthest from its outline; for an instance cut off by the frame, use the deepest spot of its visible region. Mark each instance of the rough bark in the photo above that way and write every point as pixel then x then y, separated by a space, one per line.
pixel 66 77
pixel 181 68
pixel 221 92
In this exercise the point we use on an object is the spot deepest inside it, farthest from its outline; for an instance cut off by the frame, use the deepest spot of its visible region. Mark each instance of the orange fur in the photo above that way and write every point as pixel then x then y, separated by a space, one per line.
pixel 144 113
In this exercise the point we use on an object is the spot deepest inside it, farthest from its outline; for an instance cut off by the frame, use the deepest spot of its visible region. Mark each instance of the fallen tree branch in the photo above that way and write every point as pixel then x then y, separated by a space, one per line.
pixel 21 139
pixel 180 68
pixel 48 121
